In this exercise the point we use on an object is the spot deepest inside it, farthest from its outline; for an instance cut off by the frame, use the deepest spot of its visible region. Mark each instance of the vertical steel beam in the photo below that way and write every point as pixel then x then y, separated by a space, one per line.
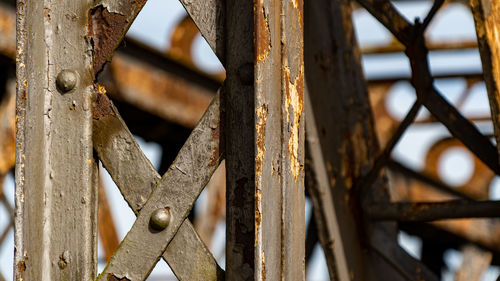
pixel 56 176
pixel 487 19
pixel 264 140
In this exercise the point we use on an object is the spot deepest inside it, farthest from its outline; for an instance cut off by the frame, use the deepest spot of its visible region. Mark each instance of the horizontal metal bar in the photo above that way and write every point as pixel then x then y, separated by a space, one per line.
pixel 135 177
pixel 432 211
pixel 432 46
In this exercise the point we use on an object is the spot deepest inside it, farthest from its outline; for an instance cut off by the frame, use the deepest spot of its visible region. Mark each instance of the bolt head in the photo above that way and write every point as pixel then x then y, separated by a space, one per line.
pixel 66 80
pixel 160 219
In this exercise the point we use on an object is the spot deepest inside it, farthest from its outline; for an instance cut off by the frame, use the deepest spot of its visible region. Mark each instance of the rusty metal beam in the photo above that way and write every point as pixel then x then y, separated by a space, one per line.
pixel 432 211
pixel 265 193
pixel 347 145
pixel 108 21
pixel 396 47
pixel 487 19
pixel 56 173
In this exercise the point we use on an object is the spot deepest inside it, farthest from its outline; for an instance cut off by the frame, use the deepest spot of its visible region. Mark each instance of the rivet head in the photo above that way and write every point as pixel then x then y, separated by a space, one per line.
pixel 160 219
pixel 66 80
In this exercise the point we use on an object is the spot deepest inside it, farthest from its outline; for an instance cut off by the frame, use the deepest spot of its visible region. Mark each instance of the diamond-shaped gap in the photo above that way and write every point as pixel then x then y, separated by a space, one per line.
pixel 156 29
pixel 454 23
pixel 123 216
pixel 369 32
pixel 371 36
pixel 209 219
pixel 155 23
pixel 410 244
pixel 413 9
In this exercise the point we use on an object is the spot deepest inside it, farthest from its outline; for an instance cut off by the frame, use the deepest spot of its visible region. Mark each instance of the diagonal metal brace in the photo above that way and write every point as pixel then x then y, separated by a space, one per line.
pixel 117 150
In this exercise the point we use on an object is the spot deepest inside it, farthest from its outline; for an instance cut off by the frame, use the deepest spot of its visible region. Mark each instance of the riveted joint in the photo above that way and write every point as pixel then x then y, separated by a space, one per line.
pixel 160 219
pixel 66 80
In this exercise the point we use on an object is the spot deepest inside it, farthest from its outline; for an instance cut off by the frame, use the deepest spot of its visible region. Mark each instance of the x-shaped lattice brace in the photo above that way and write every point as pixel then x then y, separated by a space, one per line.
pixel 145 191
pixel 200 156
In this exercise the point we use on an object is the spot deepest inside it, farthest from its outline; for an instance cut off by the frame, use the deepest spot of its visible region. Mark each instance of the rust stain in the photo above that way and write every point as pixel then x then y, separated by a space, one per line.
pixel 216 151
pixel 261 116
pixel 262 33
pixel 294 109
pixel 106 30
pixel 46 14
pixel 21 266
pixel 112 277
pixel 102 105
pixel 258 215
pixel 299 6
pixel 492 25
pixel 63 263
pixel 263 274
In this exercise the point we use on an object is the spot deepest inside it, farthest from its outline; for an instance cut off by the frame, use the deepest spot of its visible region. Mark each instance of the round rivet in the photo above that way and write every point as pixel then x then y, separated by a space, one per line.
pixel 66 80
pixel 160 219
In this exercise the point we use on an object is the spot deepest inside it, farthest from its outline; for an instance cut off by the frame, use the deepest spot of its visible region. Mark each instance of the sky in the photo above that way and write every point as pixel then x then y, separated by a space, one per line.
pixel 154 26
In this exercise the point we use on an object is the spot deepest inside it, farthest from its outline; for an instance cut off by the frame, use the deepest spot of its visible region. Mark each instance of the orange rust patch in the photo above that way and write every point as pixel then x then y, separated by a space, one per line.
pixel 294 108
pixel 46 14
pixel 262 33
pixel 299 6
pixel 21 266
pixel 263 266
pixel 102 105
pixel 106 30
pixel 258 215
pixel 261 116
pixel 216 152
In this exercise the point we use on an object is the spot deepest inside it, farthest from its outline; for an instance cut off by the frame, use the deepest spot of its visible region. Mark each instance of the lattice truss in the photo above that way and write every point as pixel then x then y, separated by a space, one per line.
pixel 262 121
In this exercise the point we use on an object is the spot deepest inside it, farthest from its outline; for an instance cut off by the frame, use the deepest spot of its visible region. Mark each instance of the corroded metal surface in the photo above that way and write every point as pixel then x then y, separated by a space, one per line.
pixel 431 211
pixel 487 19
pixel 108 21
pixel 136 178
pixel 56 183
pixel 265 195
pixel 177 190
pixel 348 148
pixel 260 43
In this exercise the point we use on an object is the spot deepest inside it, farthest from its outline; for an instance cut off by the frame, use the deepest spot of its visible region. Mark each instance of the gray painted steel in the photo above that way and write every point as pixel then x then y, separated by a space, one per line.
pixel 56 190
pixel 136 178
pixel 177 190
